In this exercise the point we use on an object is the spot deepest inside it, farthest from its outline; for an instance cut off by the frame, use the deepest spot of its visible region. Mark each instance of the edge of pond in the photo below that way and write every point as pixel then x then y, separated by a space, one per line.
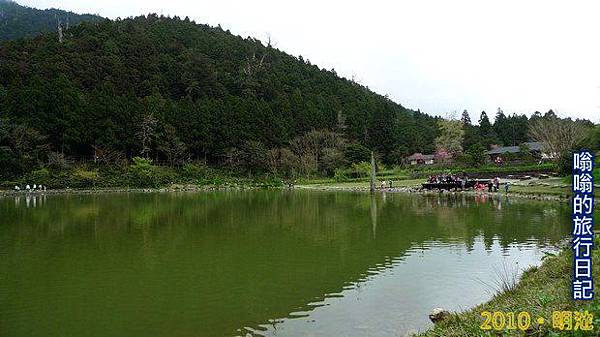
pixel 409 190
pixel 198 189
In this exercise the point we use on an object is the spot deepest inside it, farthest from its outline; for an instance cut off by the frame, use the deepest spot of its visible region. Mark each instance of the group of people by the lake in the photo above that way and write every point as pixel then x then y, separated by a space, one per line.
pixel 491 185
pixel 445 178
pixel 450 181
pixel 30 188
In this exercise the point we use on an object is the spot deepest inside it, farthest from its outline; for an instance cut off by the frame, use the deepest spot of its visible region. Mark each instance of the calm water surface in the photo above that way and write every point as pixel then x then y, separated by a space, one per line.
pixel 272 263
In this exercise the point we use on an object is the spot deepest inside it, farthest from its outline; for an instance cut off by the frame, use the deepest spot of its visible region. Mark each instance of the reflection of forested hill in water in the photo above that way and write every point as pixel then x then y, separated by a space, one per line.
pixel 230 260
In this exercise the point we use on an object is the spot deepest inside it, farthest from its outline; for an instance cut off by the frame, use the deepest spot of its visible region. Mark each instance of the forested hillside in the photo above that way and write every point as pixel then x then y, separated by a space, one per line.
pixel 173 90
pixel 18 21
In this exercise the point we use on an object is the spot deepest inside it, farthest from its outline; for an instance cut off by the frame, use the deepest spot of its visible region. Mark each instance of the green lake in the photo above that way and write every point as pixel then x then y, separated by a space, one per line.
pixel 271 263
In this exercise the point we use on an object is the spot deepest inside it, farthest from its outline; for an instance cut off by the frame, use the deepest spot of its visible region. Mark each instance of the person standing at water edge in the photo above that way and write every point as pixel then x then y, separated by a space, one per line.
pixel 496 184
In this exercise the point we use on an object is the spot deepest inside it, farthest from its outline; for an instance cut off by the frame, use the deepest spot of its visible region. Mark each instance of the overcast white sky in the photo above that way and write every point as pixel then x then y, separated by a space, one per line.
pixel 437 56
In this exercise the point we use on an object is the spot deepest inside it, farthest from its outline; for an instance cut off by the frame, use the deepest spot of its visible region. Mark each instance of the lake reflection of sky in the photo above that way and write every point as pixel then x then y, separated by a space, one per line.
pixel 396 299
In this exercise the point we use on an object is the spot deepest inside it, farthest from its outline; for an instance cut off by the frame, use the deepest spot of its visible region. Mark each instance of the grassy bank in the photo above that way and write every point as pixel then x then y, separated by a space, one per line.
pixel 357 185
pixel 358 175
pixel 540 291
pixel 558 187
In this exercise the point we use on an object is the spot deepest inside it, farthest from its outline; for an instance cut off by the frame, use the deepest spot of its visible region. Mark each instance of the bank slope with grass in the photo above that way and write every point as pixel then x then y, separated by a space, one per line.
pixel 540 291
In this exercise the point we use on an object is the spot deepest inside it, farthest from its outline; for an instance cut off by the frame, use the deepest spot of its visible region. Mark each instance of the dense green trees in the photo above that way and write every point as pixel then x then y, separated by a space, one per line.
pixel 472 134
pixel 475 155
pixel 593 138
pixel 168 89
pixel 487 135
pixel 511 130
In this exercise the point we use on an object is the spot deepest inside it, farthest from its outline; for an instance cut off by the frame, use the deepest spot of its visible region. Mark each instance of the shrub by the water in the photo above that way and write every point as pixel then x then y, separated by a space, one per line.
pixel 142 173
pixel 340 175
pixel 193 172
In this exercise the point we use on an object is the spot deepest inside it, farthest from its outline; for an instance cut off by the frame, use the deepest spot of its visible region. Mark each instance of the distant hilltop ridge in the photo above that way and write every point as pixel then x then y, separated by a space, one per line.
pixel 18 21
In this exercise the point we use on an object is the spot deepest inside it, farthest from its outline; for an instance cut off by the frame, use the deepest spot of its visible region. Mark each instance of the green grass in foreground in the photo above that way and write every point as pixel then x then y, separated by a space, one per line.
pixel 540 292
